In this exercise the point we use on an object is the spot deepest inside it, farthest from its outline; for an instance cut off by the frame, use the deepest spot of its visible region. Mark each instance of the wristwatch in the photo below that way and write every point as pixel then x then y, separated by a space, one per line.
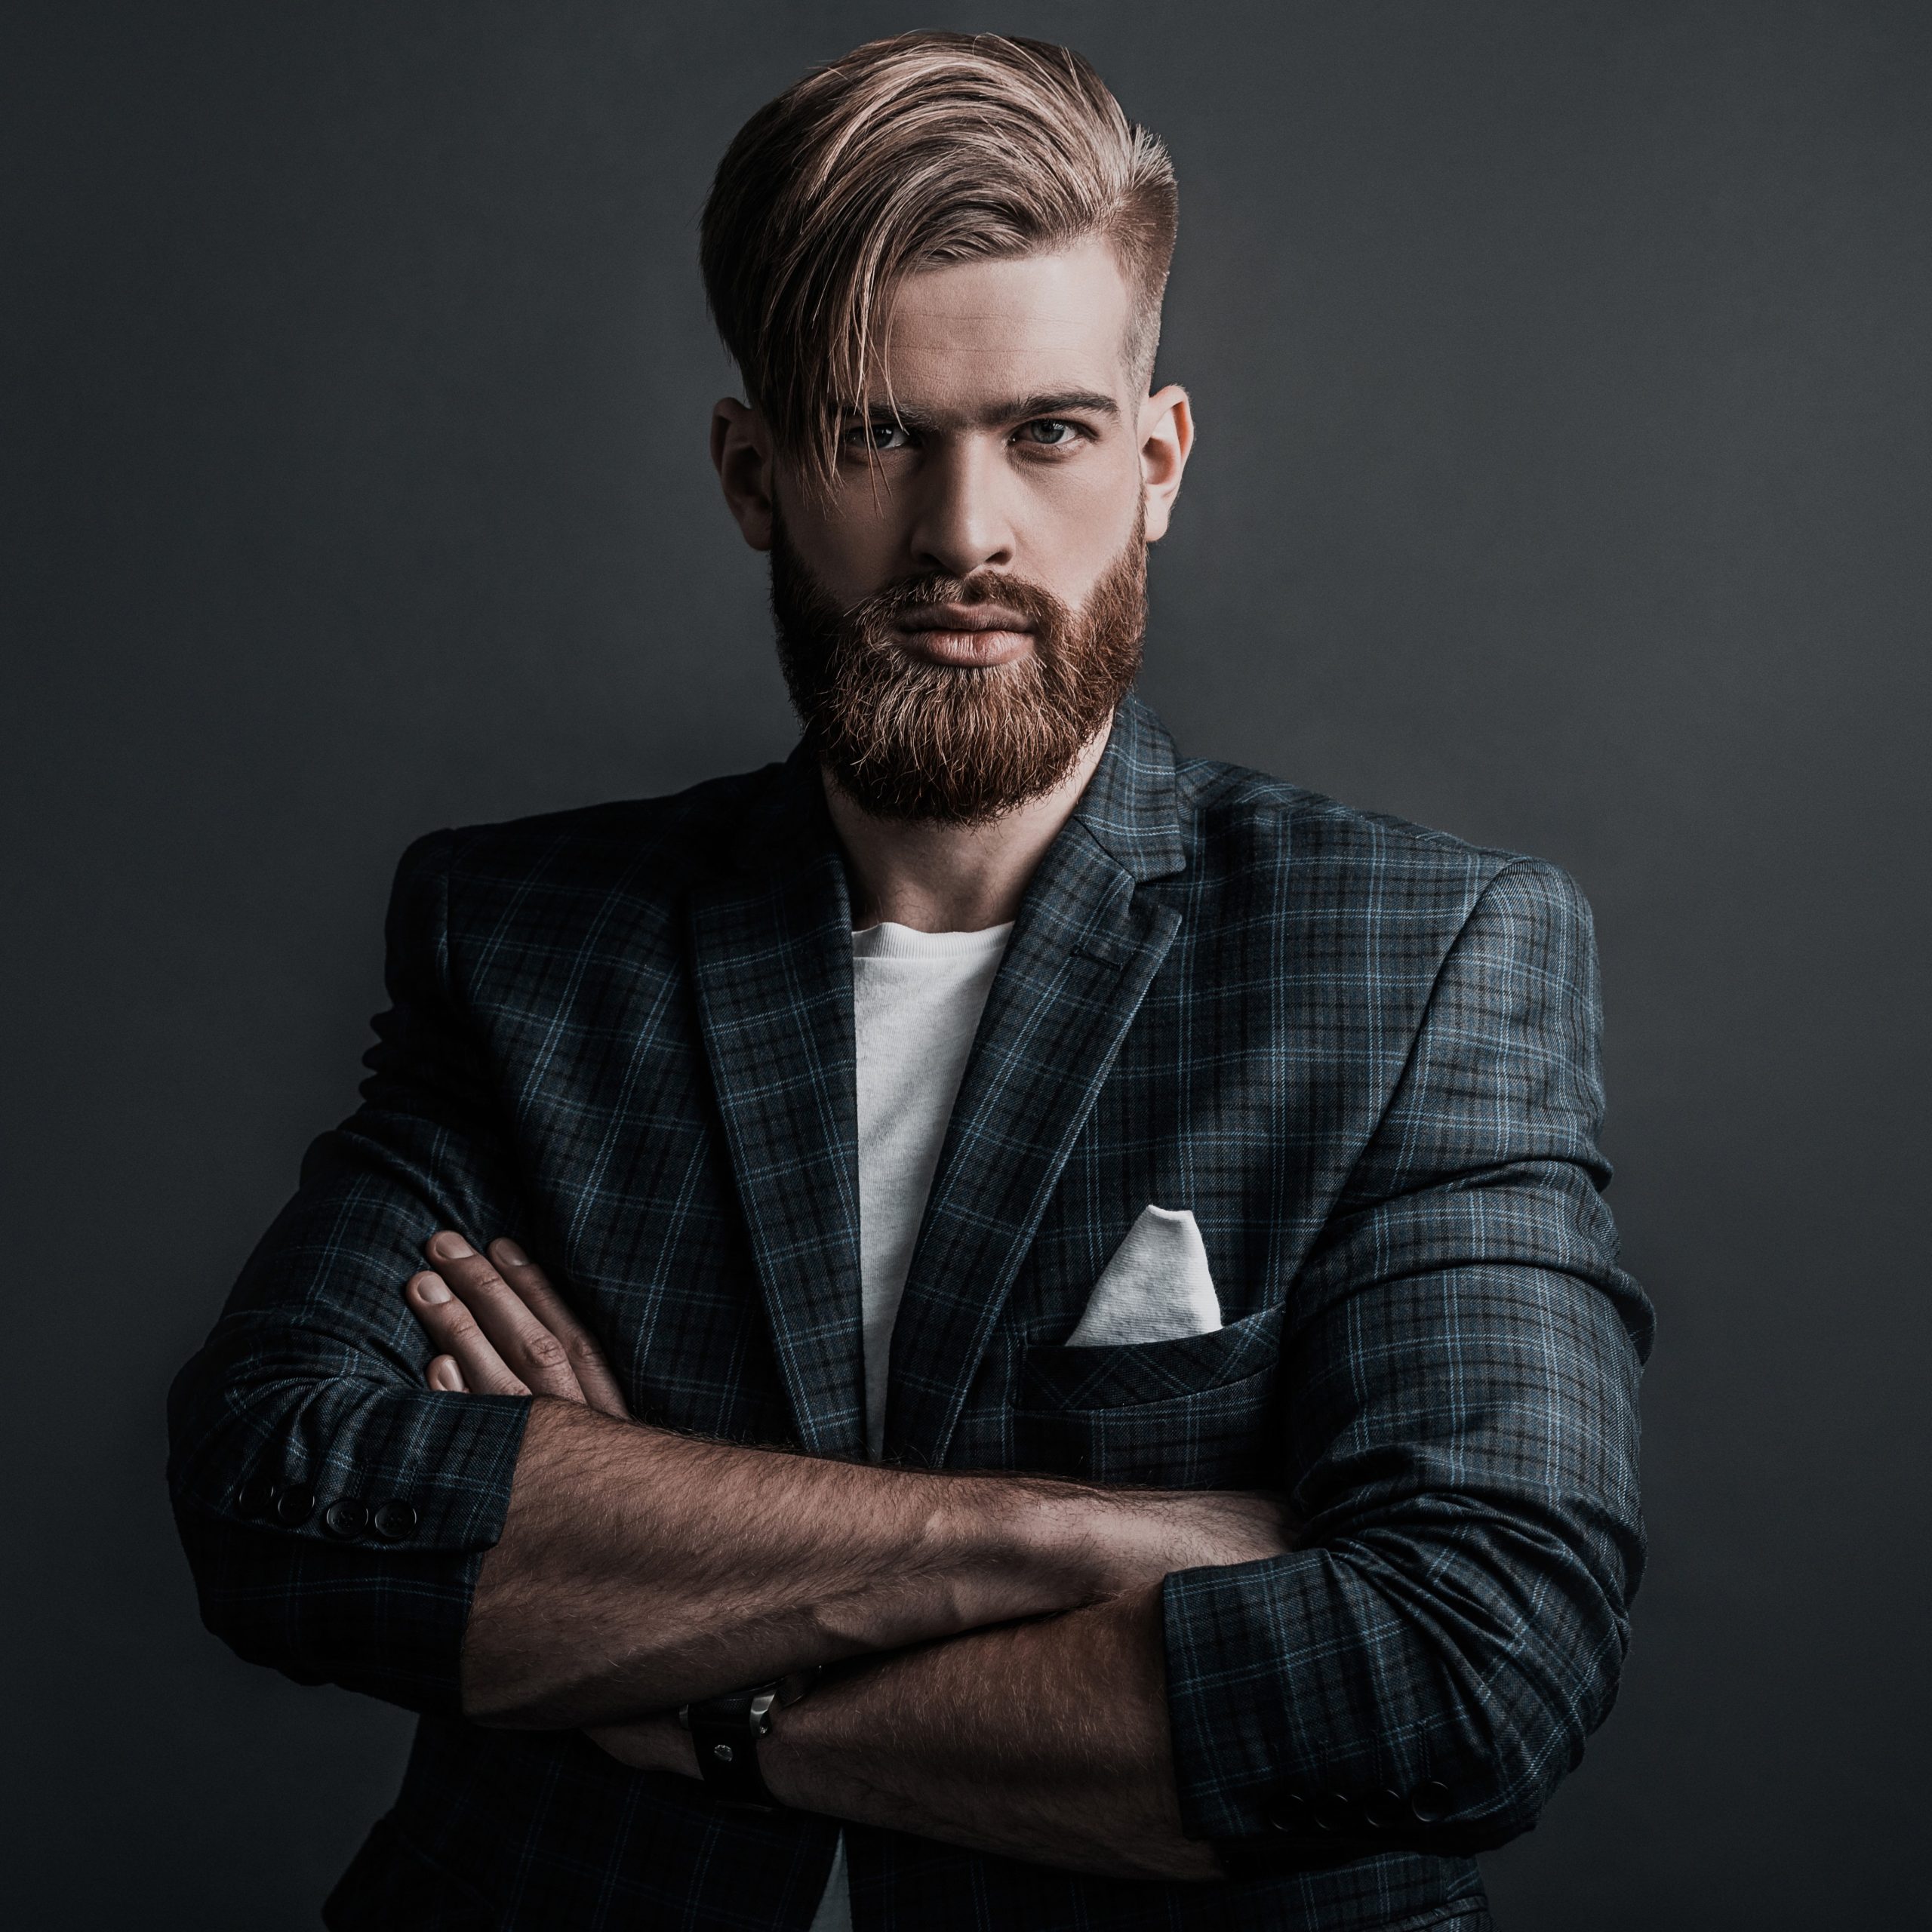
pixel 725 1731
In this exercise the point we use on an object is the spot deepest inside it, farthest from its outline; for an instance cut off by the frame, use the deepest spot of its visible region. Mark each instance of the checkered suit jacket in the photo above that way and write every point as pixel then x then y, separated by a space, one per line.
pixel 1363 1053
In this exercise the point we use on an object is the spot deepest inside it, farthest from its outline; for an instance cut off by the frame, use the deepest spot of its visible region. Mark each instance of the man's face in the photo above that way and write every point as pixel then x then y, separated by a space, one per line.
pixel 959 616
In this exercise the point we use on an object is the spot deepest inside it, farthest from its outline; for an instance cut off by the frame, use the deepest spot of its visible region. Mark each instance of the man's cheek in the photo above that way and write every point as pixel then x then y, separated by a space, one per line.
pixel 854 554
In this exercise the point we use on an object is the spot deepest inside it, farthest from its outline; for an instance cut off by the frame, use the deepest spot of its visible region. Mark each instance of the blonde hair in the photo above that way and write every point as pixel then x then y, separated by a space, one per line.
pixel 910 152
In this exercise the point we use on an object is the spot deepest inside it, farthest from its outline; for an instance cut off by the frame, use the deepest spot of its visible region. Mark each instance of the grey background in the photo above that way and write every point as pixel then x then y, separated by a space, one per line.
pixel 1563 481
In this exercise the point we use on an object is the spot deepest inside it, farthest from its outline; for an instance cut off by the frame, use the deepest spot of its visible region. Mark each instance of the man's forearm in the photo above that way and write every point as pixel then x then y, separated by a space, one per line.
pixel 638 1569
pixel 1047 1741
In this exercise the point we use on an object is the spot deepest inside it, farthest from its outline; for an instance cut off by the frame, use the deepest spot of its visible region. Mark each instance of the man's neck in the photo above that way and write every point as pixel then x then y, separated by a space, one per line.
pixel 952 878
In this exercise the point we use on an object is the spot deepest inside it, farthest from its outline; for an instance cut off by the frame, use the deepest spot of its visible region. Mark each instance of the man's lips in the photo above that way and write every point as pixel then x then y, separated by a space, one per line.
pixel 973 633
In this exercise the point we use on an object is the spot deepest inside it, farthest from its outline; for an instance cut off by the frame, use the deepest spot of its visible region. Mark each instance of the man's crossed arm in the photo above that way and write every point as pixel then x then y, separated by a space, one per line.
pixel 1012 1693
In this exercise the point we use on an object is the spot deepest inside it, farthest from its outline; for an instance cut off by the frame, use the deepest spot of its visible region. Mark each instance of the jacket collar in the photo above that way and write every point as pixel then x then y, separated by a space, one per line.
pixel 1130 808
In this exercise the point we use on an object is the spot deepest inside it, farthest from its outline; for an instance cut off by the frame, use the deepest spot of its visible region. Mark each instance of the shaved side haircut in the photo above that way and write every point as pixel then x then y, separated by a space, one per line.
pixel 910 153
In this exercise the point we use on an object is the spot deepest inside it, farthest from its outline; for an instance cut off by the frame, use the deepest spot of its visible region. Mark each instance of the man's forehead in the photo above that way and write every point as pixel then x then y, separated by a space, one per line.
pixel 969 334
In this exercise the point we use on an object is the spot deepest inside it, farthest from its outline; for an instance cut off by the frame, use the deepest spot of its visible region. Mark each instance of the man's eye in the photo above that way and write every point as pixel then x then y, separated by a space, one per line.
pixel 877 436
pixel 1050 432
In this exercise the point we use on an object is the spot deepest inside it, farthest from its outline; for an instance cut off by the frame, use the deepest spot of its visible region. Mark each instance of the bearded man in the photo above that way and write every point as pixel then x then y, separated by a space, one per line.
pixel 1018 1331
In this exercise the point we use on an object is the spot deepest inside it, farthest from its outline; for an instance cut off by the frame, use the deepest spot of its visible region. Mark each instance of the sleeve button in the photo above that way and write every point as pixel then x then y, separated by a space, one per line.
pixel 396 1519
pixel 1334 1811
pixel 256 1497
pixel 1386 1809
pixel 1430 1802
pixel 295 1505
pixel 1292 1813
pixel 345 1518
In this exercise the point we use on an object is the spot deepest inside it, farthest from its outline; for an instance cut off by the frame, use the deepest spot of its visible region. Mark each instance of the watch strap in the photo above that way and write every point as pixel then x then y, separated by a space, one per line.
pixel 724 1736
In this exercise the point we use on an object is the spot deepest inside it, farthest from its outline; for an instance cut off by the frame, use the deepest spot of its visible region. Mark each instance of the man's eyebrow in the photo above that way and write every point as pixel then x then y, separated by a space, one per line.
pixel 1015 409
pixel 1053 402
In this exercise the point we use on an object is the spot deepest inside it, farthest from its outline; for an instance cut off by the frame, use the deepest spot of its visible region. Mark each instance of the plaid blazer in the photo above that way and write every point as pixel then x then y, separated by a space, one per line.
pixel 1364 1054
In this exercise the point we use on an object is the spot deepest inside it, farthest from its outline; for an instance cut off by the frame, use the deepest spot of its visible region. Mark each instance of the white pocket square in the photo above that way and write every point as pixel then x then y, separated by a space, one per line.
pixel 1156 1287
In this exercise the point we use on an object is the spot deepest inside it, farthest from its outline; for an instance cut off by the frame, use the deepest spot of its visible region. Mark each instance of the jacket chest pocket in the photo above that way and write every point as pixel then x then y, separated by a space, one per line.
pixel 1194 1413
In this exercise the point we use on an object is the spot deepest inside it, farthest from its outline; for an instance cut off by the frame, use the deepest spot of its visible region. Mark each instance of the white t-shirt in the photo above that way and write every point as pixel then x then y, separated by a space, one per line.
pixel 916 1001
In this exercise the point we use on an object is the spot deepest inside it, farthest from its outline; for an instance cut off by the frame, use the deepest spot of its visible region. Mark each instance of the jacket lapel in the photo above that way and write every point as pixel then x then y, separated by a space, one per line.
pixel 1084 948
pixel 772 962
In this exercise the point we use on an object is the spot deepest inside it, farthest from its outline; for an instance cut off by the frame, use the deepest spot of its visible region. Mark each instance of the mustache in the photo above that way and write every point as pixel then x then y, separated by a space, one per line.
pixel 901 603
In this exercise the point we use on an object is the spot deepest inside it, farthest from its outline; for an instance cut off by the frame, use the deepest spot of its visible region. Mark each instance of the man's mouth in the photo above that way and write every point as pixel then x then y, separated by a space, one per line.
pixel 967 634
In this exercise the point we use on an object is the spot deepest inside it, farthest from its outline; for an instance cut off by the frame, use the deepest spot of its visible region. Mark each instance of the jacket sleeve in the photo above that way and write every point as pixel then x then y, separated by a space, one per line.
pixel 334 1509
pixel 1460 1414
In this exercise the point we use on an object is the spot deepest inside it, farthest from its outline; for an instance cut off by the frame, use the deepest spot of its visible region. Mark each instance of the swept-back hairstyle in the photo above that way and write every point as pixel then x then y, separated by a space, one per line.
pixel 925 149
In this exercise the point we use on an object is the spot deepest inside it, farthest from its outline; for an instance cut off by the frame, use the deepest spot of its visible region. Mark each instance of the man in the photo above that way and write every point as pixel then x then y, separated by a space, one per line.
pixel 1018 1332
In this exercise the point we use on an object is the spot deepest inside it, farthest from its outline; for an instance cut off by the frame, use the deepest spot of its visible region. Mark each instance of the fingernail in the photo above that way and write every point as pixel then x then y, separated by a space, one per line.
pixel 450 1247
pixel 508 1251
pixel 430 1288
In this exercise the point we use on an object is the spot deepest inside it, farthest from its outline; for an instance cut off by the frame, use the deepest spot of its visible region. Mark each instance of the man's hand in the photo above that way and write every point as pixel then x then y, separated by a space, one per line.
pixel 504 1330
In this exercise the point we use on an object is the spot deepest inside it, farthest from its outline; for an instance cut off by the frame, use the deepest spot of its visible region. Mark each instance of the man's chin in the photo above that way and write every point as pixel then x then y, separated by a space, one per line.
pixel 942 789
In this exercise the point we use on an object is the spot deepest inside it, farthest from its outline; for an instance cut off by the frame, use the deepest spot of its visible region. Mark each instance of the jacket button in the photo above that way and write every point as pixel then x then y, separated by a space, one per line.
pixel 1292 1813
pixel 256 1497
pixel 1386 1810
pixel 396 1519
pixel 1334 1811
pixel 1430 1801
pixel 295 1505
pixel 345 1518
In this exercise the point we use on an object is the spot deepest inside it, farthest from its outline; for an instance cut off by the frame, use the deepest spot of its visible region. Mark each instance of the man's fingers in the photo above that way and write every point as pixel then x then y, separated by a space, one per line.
pixel 454 1333
pixel 593 1373
pixel 504 1324
pixel 444 1374
pixel 524 1345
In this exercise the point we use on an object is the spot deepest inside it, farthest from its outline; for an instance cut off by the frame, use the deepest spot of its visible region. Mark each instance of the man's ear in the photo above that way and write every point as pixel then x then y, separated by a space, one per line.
pixel 1167 435
pixel 741 454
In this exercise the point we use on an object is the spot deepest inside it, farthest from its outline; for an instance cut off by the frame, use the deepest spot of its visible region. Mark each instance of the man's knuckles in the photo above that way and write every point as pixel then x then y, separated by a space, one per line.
pixel 585 1355
pixel 547 1357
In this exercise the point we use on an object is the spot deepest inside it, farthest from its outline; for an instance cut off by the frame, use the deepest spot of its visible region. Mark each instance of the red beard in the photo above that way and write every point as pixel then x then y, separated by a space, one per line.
pixel 961 744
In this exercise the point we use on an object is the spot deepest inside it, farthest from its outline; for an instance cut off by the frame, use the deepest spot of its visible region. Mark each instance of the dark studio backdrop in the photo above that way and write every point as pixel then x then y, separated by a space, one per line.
pixel 1562 375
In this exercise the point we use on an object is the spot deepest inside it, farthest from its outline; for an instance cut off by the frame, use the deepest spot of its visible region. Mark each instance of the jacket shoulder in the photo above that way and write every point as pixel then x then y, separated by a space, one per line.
pixel 651 843
pixel 1244 821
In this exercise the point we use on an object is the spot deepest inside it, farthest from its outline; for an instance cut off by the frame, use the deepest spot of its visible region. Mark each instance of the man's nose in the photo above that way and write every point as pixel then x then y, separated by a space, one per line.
pixel 963 523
